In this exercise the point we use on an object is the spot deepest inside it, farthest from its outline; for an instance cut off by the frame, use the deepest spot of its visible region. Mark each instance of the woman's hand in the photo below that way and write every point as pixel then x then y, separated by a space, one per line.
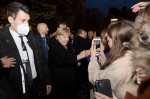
pixel 141 5
pixel 102 56
pixel 140 76
pixel 101 96
pixel 81 55
pixel 87 53
pixel 93 49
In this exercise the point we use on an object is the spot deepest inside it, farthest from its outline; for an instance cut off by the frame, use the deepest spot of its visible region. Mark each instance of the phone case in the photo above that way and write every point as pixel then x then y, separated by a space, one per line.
pixel 104 87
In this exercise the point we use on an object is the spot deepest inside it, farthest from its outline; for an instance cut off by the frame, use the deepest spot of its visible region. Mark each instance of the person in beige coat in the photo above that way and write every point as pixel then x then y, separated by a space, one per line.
pixel 118 67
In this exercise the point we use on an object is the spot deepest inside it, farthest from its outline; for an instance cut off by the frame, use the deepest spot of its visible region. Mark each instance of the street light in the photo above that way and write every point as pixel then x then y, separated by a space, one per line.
pixel 114 20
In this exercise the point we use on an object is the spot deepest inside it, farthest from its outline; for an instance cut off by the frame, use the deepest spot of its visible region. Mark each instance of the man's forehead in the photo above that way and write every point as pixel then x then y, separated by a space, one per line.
pixel 22 15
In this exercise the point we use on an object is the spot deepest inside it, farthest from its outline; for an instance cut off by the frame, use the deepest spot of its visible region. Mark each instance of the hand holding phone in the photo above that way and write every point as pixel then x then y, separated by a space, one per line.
pixel 103 87
pixel 97 43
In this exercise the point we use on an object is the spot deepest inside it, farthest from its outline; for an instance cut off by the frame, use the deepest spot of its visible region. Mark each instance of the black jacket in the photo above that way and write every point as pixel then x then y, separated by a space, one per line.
pixel 62 63
pixel 81 44
pixel 1 64
pixel 40 39
pixel 13 75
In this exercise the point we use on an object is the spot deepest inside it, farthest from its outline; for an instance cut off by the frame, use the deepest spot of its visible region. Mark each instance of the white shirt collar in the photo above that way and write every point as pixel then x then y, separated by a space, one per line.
pixel 13 32
pixel 16 35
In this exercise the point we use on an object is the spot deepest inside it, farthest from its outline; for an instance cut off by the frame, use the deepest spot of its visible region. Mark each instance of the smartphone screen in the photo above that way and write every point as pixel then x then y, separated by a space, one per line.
pixel 97 42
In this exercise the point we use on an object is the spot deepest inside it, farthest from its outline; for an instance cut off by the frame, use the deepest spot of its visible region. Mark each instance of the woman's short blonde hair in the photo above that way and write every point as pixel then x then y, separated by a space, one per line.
pixel 62 31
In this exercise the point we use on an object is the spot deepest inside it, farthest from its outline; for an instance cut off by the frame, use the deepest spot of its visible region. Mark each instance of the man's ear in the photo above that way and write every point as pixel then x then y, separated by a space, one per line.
pixel 80 34
pixel 10 19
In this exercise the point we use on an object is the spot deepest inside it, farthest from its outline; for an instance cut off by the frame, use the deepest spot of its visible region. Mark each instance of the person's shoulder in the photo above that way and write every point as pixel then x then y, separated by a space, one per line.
pixel 4 32
pixel 47 37
pixel 38 36
pixel 77 39
pixel 5 29
pixel 52 40
pixel 124 60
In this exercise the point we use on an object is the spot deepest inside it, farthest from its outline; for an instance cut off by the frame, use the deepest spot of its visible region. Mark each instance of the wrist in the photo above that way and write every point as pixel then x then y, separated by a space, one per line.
pixel 78 57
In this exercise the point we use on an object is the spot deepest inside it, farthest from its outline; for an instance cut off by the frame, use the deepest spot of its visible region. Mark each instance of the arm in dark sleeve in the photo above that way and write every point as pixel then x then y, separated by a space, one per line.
pixel 41 61
pixel 65 59
pixel 46 70
pixel 47 74
pixel 76 47
pixel 1 65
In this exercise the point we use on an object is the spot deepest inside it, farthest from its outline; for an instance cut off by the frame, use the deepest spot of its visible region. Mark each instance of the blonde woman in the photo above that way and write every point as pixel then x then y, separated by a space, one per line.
pixel 62 61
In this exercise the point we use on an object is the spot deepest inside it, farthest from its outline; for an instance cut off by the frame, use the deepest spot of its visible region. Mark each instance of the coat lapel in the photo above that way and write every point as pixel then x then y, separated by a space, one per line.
pixel 11 45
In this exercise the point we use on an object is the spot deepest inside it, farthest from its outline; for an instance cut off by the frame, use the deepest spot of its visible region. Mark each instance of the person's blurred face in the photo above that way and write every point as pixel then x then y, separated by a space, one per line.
pixel 90 34
pixel 62 26
pixel 109 40
pixel 21 18
pixel 45 29
pixel 83 34
pixel 63 39
pixel 72 36
pixel 1 27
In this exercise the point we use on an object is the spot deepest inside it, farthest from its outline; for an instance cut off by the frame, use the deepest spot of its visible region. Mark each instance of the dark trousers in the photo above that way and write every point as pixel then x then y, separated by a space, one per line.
pixel 34 89
pixel 2 95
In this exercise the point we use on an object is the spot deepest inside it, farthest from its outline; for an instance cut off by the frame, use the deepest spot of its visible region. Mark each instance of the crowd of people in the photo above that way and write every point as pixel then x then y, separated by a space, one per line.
pixel 35 66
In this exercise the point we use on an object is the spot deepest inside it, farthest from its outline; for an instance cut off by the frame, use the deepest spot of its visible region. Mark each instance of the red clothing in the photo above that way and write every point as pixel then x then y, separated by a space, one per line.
pixel 143 90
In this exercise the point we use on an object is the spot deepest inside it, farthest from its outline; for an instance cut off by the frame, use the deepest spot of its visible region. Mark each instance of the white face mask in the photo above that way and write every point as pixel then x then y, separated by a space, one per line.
pixel 23 29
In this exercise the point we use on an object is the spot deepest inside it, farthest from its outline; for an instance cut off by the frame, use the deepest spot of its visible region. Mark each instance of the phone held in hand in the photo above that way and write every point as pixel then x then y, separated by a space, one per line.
pixel 103 87
pixel 97 42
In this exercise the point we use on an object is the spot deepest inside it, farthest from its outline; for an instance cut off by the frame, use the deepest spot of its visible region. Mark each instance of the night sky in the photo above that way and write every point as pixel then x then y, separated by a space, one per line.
pixel 104 5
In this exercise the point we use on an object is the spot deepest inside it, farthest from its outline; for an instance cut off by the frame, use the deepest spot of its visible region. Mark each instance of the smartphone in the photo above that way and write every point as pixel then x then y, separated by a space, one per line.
pixel 97 42
pixel 103 87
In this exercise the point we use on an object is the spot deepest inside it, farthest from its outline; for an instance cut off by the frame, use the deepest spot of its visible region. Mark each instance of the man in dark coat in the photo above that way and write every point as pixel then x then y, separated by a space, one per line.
pixel 62 63
pixel 30 77
pixel 43 38
pixel 82 43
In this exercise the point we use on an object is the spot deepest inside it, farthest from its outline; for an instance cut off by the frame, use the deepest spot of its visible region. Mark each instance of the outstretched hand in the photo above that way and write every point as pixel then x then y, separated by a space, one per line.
pixel 101 96
pixel 141 5
pixel 140 76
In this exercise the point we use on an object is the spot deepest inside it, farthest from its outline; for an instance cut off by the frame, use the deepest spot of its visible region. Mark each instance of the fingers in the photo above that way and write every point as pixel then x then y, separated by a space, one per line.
pixel 102 47
pixel 97 97
pixel 101 96
pixel 140 75
pixel 87 53
pixel 5 57
pixel 138 69
pixel 93 49
pixel 12 58
pixel 93 46
pixel 12 64
pixel 8 62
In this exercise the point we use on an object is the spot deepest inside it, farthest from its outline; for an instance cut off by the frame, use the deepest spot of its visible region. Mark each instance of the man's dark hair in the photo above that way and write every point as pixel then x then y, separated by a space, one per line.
pixel 80 31
pixel 63 23
pixel 14 7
